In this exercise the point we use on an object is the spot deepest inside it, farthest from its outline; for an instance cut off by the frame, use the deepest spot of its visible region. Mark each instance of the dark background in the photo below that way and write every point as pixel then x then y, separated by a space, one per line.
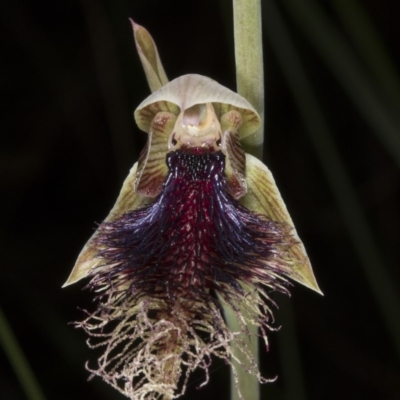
pixel 70 79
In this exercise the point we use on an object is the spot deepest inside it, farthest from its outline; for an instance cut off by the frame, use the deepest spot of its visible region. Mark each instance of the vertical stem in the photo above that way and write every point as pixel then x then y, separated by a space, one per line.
pixel 250 84
pixel 248 383
pixel 249 64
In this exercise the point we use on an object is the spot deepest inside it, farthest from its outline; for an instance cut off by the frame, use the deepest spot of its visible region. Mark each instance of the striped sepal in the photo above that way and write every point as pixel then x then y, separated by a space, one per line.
pixel 263 197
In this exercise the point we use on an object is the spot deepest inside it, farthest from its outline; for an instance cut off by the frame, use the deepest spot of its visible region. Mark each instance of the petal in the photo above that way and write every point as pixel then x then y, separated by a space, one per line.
pixel 128 199
pixel 152 168
pixel 149 57
pixel 188 90
pixel 263 197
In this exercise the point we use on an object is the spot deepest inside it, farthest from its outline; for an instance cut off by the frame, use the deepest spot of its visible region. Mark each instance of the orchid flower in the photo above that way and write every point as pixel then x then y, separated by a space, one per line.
pixel 198 222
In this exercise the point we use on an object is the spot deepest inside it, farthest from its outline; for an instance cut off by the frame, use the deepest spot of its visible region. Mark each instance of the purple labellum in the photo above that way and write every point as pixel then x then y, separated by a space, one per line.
pixel 194 238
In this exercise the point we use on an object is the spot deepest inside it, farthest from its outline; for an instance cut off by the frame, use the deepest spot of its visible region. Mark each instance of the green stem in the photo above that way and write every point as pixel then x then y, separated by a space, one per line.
pixel 18 361
pixel 248 384
pixel 249 64
pixel 250 84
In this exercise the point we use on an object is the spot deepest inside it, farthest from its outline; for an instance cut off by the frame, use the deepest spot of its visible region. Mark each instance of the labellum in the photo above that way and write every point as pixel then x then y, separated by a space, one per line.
pixel 196 217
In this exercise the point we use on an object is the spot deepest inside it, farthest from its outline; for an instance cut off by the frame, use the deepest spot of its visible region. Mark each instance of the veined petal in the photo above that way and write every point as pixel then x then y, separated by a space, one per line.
pixel 263 197
pixel 128 199
pixel 149 57
pixel 189 90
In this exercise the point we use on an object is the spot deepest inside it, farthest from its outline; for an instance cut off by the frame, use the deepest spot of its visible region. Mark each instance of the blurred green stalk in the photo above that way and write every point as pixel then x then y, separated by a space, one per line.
pixel 370 45
pixel 18 361
pixel 289 353
pixel 359 230
pixel 383 117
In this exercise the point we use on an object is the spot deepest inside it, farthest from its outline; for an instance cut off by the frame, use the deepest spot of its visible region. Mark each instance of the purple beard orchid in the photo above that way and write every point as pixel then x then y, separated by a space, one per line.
pixel 198 223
